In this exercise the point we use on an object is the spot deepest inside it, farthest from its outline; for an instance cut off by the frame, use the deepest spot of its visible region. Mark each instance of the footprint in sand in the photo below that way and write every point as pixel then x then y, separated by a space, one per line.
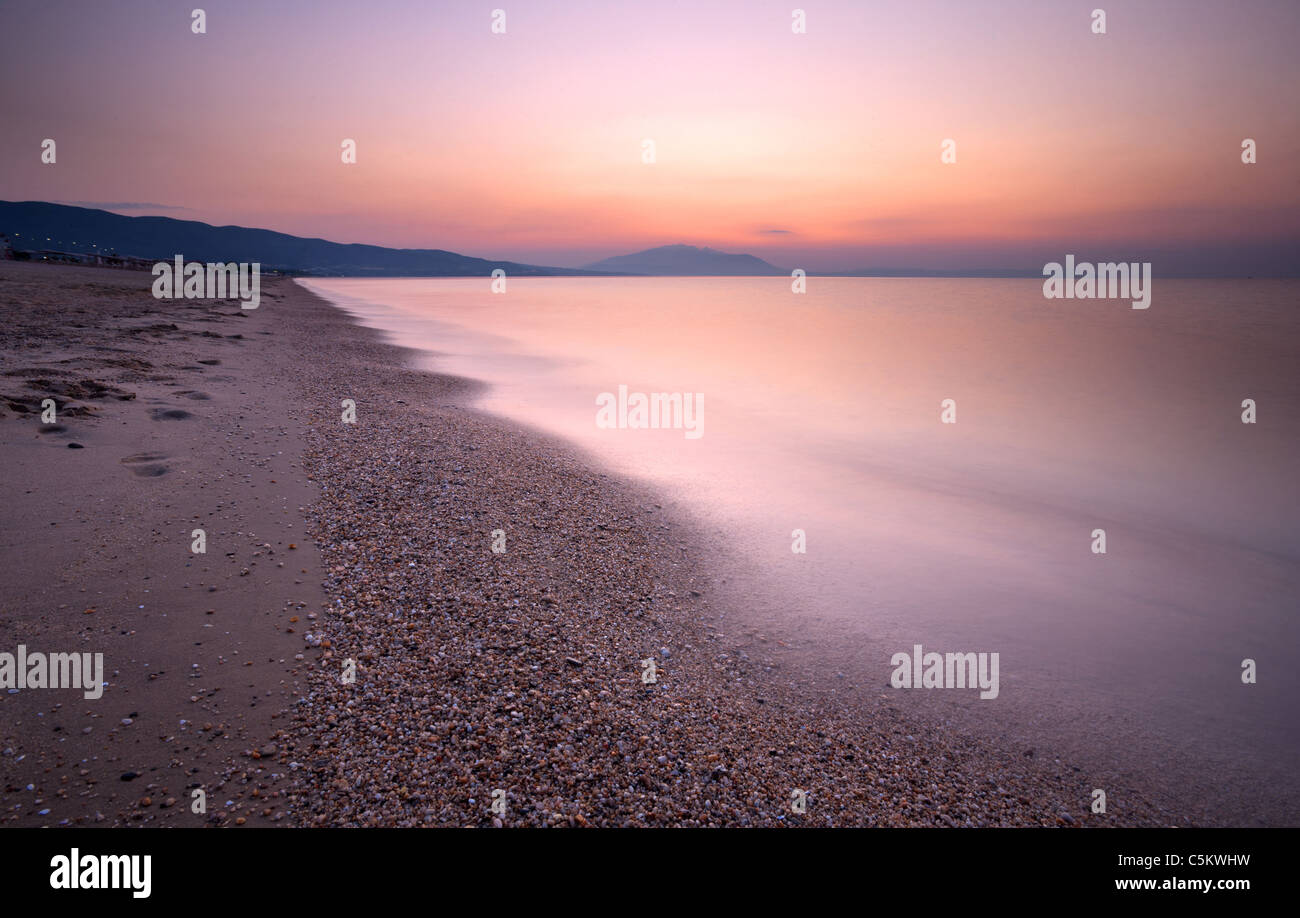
pixel 146 465
pixel 169 414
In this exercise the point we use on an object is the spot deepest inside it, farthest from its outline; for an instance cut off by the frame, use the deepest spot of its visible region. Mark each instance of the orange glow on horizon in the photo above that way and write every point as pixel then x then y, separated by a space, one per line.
pixel 765 141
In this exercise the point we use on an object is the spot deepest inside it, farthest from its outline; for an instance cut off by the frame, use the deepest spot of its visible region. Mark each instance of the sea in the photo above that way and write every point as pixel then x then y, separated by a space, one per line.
pixel 1106 497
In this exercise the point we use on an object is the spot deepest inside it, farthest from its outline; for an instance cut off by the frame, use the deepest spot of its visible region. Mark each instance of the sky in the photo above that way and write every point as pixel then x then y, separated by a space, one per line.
pixel 818 150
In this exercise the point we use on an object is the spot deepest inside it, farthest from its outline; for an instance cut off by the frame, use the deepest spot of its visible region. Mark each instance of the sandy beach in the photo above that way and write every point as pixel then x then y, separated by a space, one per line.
pixel 476 672
pixel 180 414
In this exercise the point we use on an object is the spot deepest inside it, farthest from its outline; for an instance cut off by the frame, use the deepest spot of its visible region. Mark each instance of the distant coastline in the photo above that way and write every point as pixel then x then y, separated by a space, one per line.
pixel 66 234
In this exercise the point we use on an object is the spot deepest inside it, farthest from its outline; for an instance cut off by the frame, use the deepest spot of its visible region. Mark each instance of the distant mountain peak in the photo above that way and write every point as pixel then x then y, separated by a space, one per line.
pixel 686 261
pixel 682 247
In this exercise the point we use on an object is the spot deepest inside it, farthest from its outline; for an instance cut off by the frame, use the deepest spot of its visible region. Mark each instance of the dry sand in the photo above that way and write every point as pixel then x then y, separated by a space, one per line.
pixel 476 672
pixel 192 432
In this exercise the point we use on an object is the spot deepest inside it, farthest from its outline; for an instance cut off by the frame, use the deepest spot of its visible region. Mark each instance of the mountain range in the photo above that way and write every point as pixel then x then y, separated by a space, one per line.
pixel 44 226
pixel 37 225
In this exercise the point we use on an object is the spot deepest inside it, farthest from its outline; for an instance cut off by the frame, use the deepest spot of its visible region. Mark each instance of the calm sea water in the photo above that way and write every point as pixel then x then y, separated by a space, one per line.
pixel 822 412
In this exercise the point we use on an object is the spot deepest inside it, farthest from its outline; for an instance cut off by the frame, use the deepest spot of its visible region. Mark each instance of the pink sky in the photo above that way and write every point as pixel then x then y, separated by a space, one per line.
pixel 819 150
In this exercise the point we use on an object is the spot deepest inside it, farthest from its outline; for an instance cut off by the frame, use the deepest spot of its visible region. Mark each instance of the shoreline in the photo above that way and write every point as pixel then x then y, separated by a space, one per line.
pixel 476 671
pixel 597 573
pixel 1145 765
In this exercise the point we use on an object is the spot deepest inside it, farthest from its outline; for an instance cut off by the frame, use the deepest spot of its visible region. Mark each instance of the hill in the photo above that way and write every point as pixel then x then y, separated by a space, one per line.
pixel 35 225
pixel 686 261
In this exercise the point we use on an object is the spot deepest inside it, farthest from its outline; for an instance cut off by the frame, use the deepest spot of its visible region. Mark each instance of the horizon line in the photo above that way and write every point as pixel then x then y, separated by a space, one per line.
pixel 1005 273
